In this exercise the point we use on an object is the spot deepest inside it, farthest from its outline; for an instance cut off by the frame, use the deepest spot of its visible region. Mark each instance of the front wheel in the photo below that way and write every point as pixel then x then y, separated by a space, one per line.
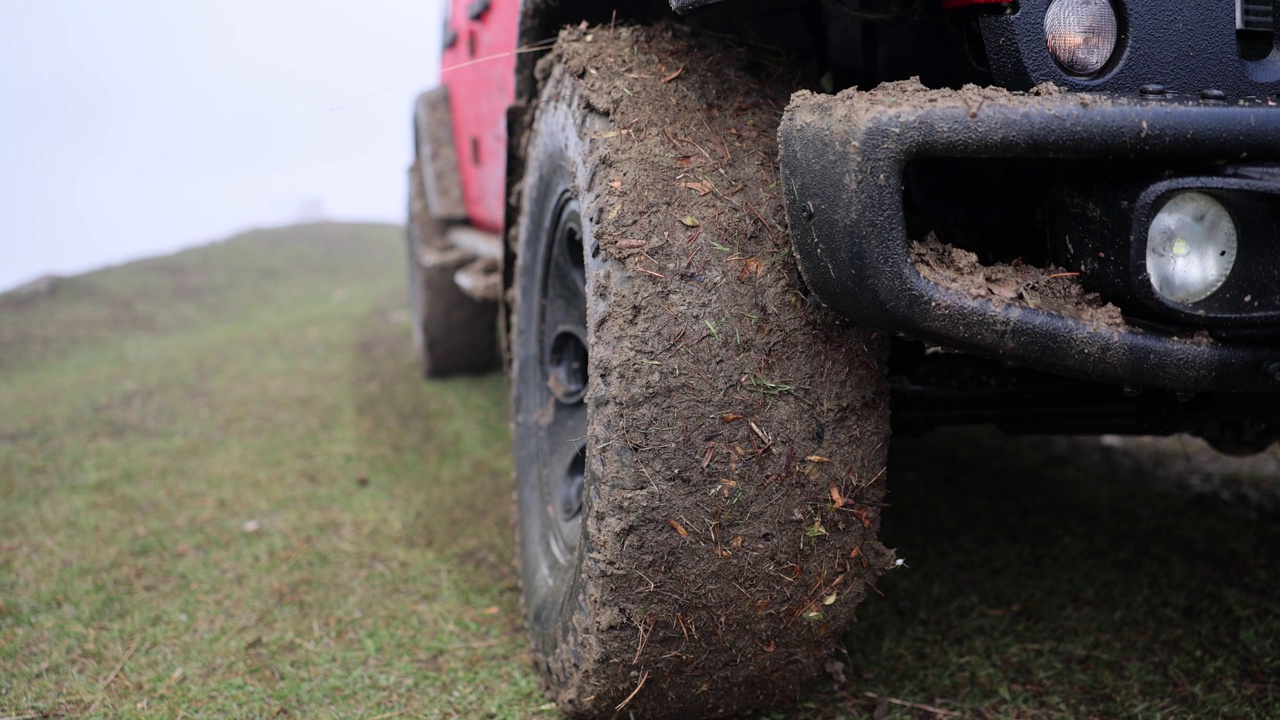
pixel 700 450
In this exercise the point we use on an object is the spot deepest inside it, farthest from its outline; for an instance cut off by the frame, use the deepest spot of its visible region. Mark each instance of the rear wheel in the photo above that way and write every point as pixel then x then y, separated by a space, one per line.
pixel 699 449
pixel 452 332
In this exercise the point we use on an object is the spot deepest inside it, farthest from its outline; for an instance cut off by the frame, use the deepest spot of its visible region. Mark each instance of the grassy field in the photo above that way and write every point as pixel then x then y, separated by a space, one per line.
pixel 224 493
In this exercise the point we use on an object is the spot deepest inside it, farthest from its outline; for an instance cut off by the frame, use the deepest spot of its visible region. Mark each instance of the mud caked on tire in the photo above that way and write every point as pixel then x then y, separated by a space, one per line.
pixel 453 333
pixel 700 450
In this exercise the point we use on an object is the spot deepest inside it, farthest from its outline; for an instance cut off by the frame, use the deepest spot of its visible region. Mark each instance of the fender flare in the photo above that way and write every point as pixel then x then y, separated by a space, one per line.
pixel 433 145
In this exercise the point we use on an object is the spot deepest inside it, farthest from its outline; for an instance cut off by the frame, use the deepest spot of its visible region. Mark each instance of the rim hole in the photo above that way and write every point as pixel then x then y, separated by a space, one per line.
pixel 571 497
pixel 573 247
pixel 567 367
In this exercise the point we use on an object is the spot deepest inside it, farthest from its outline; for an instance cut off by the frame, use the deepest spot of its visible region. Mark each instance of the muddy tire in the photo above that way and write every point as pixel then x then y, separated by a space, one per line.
pixel 452 333
pixel 700 450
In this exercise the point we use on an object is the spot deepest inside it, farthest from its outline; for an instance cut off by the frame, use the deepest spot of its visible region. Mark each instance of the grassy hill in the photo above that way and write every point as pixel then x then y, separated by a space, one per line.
pixel 224 492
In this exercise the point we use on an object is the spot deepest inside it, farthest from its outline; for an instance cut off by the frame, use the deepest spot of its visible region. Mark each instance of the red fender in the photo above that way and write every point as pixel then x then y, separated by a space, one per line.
pixel 479 66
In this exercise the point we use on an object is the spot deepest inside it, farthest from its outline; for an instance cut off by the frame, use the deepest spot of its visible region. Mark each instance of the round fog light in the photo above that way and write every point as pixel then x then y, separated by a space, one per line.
pixel 1191 247
pixel 1081 34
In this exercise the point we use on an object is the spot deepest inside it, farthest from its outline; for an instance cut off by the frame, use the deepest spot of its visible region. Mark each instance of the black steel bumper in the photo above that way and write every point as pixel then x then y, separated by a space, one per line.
pixel 843 160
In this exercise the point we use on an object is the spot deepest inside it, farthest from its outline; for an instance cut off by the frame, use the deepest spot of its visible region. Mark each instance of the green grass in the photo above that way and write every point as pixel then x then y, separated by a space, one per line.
pixel 225 493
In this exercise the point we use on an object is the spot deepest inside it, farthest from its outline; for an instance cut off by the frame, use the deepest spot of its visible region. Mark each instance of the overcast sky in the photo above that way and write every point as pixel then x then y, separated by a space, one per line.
pixel 131 128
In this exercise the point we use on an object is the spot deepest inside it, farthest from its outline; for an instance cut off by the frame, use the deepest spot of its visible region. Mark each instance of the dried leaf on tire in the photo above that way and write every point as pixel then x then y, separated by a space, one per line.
pixel 861 513
pixel 836 498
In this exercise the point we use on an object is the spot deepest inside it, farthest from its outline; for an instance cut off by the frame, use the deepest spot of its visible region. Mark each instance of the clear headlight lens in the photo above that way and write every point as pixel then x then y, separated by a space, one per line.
pixel 1191 247
pixel 1081 34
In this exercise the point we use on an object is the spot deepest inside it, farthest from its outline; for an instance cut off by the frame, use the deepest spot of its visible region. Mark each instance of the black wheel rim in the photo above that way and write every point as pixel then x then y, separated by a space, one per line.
pixel 562 378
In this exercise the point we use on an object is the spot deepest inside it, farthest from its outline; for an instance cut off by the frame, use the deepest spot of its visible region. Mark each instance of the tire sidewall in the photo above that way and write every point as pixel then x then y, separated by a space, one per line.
pixel 556 168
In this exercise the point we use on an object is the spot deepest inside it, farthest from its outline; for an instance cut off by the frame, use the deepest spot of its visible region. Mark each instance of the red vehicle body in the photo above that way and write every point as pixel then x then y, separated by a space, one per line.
pixel 478 67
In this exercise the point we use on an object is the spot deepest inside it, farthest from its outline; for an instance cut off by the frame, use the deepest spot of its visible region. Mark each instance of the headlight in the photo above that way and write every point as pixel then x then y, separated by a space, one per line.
pixel 1081 34
pixel 1191 247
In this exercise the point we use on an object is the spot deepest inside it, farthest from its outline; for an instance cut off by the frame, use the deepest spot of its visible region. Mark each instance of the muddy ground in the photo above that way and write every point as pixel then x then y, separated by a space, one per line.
pixel 1185 467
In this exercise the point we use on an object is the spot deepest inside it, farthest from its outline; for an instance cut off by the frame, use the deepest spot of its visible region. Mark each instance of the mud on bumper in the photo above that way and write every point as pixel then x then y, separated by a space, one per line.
pixel 843 161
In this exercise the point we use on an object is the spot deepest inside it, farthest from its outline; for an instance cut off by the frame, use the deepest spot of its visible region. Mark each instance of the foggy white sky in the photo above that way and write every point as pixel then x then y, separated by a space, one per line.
pixel 136 127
